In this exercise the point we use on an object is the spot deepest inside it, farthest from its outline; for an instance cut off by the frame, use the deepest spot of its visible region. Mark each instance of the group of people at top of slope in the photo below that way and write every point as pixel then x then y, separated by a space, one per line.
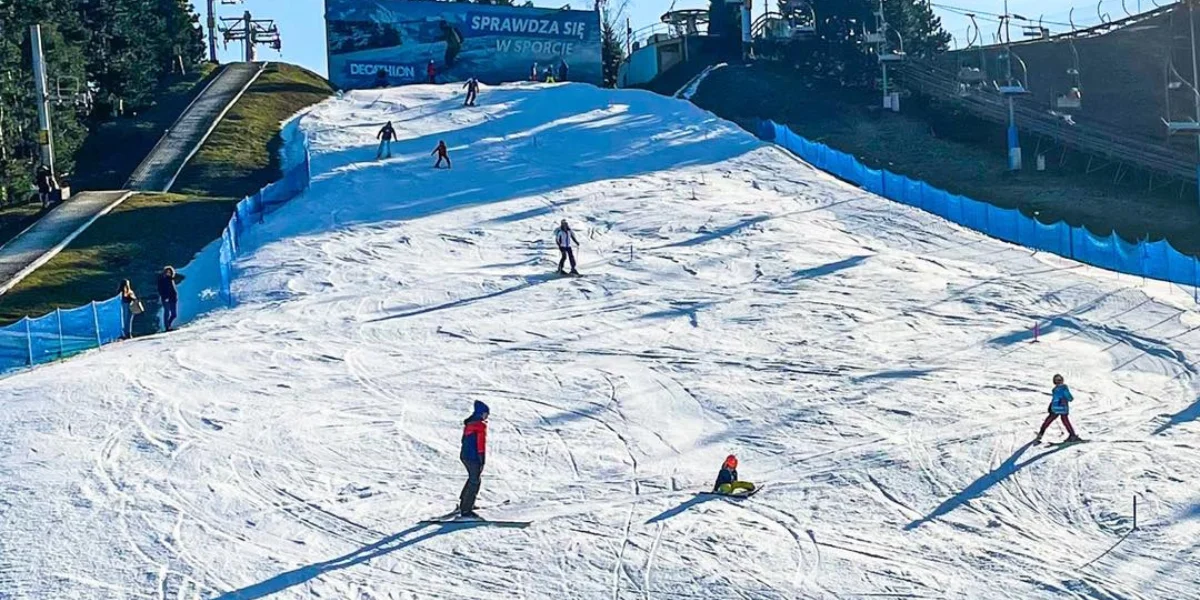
pixel 473 455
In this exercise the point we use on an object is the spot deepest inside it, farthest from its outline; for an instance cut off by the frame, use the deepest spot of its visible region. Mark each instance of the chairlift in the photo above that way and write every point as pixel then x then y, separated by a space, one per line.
pixel 1182 127
pixel 892 56
pixel 800 17
pixel 1072 99
pixel 971 75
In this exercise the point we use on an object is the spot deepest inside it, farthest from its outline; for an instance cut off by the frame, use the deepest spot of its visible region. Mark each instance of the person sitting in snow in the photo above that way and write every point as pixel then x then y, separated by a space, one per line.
pixel 1060 407
pixel 442 154
pixel 727 480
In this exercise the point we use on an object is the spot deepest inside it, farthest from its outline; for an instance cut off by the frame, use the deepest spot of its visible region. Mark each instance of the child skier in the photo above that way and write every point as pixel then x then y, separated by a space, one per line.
pixel 442 154
pixel 472 86
pixel 1060 407
pixel 431 72
pixel 385 137
pixel 564 238
pixel 727 480
pixel 472 455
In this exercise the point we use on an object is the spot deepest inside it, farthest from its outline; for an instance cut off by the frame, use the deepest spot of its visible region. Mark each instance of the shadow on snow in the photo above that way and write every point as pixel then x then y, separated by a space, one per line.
pixel 978 487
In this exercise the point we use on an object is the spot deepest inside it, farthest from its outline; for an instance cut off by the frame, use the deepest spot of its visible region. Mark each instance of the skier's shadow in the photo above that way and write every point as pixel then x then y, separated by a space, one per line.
pixel 387 545
pixel 977 488
pixel 689 503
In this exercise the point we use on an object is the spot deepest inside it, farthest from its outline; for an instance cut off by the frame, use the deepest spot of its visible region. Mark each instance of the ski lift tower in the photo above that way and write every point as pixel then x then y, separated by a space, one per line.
pixel 212 27
pixel 1185 127
pixel 1011 89
pixel 251 32
pixel 886 55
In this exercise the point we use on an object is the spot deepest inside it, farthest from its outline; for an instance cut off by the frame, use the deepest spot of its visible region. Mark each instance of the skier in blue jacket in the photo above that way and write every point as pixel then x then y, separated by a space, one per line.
pixel 473 455
pixel 1060 408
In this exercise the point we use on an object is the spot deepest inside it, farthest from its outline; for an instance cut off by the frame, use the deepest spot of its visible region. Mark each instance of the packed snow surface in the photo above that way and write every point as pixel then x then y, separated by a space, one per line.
pixel 871 364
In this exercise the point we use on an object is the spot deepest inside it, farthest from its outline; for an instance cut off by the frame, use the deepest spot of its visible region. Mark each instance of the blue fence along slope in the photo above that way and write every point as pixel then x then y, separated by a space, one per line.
pixel 1154 260
pixel 65 332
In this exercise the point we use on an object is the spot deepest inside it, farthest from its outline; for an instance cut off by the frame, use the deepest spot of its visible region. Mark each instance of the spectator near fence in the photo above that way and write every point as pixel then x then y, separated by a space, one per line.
pixel 168 293
pixel 131 306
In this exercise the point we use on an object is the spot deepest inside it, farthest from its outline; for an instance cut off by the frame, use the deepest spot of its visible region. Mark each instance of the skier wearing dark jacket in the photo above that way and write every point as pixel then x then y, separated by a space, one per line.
pixel 442 154
pixel 385 137
pixel 473 455
pixel 472 87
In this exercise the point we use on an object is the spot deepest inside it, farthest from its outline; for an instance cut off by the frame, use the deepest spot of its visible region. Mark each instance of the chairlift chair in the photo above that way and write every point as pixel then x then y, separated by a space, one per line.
pixel 971 75
pixel 1012 88
pixel 1072 99
pixel 892 57
pixel 1182 127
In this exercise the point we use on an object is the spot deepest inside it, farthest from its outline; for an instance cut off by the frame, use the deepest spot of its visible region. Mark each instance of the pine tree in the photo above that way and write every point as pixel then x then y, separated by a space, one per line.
pixel 612 47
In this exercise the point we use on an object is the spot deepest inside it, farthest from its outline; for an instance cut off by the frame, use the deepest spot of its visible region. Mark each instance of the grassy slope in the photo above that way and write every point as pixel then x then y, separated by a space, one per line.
pixel 100 168
pixel 97 166
pixel 960 155
pixel 242 155
pixel 149 231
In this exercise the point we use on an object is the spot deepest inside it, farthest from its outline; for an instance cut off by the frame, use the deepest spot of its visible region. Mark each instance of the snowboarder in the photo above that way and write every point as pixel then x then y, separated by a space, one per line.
pixel 441 153
pixel 169 295
pixel 564 237
pixel 472 86
pixel 472 455
pixel 431 72
pixel 562 69
pixel 46 185
pixel 727 480
pixel 1060 407
pixel 533 74
pixel 385 137
pixel 548 75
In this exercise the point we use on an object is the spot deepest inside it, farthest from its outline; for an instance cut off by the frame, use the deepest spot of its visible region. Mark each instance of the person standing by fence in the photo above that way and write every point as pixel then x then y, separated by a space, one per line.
pixel 132 307
pixel 168 293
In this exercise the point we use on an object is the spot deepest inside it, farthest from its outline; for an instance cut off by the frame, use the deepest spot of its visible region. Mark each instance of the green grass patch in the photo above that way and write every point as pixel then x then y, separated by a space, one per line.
pixel 115 148
pixel 242 155
pixel 135 241
pixel 149 231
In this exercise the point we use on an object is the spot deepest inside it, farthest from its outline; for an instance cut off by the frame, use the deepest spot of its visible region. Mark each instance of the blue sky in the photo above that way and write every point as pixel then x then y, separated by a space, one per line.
pixel 302 22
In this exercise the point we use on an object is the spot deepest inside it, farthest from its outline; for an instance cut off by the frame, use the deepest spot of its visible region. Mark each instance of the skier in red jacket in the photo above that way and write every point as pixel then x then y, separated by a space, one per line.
pixel 472 455
pixel 442 154
pixel 431 71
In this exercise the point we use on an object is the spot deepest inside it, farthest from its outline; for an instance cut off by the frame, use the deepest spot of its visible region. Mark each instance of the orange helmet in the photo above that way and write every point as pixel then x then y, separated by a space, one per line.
pixel 731 462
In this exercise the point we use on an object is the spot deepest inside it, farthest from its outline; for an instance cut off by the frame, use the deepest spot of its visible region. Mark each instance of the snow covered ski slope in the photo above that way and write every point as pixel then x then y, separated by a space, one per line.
pixel 870 363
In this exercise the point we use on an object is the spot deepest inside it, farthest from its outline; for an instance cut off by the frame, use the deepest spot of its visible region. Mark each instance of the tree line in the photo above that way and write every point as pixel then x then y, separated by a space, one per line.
pixel 104 58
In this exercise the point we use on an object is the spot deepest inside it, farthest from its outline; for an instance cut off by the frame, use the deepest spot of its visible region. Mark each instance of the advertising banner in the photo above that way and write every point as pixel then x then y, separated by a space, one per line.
pixel 378 43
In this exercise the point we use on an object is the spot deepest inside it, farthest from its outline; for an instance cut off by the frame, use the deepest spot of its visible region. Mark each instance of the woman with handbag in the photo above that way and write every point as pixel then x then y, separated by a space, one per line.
pixel 132 307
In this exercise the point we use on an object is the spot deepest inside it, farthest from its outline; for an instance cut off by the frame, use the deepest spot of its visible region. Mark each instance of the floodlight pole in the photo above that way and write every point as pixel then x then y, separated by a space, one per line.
pixel 1195 80
pixel 212 30
pixel 45 138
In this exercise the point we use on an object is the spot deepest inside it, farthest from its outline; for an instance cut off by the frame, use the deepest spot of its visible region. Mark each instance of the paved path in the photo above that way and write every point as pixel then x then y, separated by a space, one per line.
pixel 158 171
pixel 50 234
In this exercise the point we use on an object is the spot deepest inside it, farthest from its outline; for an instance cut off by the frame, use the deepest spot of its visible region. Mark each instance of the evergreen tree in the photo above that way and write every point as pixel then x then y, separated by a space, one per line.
pixel 98 52
pixel 612 46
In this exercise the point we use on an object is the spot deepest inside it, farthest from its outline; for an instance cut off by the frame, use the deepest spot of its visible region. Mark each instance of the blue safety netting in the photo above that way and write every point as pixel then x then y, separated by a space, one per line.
pixel 1154 260
pixel 59 334
pixel 66 332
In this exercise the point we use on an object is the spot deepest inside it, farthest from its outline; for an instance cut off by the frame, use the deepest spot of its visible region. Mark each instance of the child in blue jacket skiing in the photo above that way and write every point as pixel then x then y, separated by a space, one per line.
pixel 1060 408
pixel 727 480
pixel 472 455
